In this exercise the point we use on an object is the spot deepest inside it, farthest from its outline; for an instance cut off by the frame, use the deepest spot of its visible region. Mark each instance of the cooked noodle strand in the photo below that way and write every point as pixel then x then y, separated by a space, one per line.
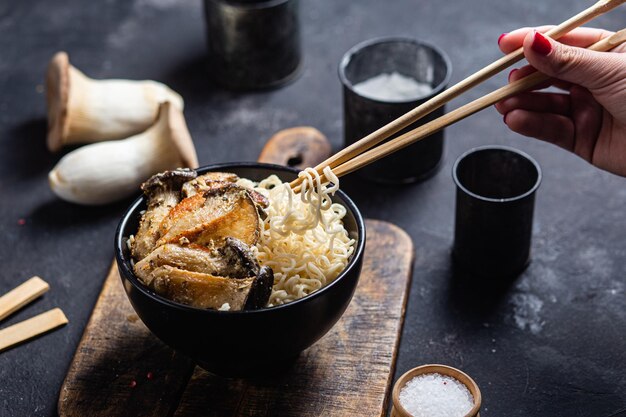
pixel 302 239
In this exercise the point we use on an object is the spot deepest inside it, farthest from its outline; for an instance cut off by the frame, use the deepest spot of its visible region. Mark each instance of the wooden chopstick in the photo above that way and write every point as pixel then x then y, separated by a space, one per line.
pixel 439 100
pixel 461 113
pixel 32 327
pixel 22 295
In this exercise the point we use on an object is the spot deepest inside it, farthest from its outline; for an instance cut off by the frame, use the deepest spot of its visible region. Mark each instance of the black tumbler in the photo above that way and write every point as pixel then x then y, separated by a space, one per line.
pixel 253 44
pixel 363 114
pixel 495 198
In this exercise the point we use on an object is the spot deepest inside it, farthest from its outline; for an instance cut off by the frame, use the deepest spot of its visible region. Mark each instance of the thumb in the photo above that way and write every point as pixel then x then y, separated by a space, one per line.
pixel 590 69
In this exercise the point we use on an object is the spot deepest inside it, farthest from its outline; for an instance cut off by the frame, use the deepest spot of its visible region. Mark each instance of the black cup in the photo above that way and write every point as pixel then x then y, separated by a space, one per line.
pixel 495 198
pixel 363 114
pixel 253 44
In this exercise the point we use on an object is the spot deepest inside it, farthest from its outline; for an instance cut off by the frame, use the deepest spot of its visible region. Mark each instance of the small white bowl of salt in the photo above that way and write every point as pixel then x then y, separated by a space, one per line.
pixel 435 391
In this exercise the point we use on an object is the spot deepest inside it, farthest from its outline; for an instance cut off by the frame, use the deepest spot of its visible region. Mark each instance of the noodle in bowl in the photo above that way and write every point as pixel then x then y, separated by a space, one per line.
pixel 254 342
pixel 302 237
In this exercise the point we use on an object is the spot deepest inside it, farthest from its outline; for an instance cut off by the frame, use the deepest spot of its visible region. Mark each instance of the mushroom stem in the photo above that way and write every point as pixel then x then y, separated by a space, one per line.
pixel 101 173
pixel 84 110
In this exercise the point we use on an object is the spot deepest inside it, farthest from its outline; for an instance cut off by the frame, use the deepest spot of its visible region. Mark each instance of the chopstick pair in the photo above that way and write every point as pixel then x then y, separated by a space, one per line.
pixel 27 329
pixel 355 156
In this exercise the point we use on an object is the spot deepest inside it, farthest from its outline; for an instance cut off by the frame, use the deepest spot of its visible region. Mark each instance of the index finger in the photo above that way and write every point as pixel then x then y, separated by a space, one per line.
pixel 580 37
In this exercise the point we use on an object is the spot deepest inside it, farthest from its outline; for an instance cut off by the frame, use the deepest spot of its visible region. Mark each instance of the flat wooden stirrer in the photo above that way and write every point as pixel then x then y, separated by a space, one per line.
pixel 22 295
pixel 32 327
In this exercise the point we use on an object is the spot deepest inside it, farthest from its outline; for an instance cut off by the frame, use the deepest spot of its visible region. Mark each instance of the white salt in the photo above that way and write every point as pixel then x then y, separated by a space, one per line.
pixel 436 395
pixel 392 87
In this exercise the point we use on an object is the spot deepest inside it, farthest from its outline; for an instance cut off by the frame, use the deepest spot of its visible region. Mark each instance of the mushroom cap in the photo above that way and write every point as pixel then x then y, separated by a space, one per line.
pixel 167 180
pixel 179 134
pixel 57 96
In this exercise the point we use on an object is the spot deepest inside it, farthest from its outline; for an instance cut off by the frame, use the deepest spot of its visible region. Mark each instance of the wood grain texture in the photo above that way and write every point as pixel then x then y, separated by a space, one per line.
pixel 22 295
pixel 30 328
pixel 347 373
pixel 109 373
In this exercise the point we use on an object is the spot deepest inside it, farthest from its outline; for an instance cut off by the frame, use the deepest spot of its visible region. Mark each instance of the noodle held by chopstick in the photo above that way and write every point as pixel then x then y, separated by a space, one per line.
pixel 303 238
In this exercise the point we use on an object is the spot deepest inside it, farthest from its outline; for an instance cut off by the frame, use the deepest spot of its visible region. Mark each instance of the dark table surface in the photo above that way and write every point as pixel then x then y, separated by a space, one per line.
pixel 553 343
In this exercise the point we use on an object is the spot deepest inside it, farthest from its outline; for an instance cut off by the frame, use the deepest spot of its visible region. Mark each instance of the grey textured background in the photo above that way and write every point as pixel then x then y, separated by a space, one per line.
pixel 551 344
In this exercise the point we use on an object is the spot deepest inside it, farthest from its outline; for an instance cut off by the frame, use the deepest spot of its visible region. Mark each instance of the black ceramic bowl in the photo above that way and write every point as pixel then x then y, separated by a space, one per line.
pixel 243 343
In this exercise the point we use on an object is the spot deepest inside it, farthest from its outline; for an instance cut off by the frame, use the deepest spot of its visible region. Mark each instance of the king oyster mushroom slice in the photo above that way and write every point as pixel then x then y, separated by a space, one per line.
pixel 84 110
pixel 199 289
pixel 186 207
pixel 208 291
pixel 261 289
pixel 163 193
pixel 215 180
pixel 211 217
pixel 233 260
pixel 101 173
pixel 207 182
pixel 239 257
pixel 197 200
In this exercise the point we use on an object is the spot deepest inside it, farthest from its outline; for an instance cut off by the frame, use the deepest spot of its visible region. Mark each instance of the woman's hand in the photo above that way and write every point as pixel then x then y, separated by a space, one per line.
pixel 590 118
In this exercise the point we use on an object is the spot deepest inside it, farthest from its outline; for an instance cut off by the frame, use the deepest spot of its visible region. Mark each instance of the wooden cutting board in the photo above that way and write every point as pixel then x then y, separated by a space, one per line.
pixel 121 369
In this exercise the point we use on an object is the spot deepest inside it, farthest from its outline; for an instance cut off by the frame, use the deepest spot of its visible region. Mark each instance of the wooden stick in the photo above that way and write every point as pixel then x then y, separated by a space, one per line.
pixel 473 80
pixel 22 295
pixel 32 327
pixel 461 113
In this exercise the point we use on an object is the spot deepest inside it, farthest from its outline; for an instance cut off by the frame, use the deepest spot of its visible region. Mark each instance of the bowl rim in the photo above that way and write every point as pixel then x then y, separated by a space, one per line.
pixel 359 47
pixel 501 148
pixel 252 5
pixel 124 263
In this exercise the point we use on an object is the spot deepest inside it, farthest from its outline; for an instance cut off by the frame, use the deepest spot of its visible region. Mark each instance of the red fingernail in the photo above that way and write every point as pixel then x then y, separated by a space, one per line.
pixel 502 36
pixel 541 44
pixel 511 73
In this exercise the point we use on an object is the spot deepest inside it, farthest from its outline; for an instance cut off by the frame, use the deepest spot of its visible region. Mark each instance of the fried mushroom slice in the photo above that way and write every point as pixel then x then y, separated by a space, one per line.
pixel 191 204
pixel 225 212
pixel 239 256
pixel 201 290
pixel 259 199
pixel 215 180
pixel 207 182
pixel 163 193
pixel 261 289
pixel 185 207
pixel 233 260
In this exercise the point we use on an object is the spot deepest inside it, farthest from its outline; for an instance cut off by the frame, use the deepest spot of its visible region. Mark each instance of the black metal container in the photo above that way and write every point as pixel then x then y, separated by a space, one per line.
pixel 495 198
pixel 363 115
pixel 253 44
pixel 243 343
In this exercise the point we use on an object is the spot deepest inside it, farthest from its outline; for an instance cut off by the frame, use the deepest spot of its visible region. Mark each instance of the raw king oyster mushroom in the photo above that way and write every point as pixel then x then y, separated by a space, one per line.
pixel 104 172
pixel 84 110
